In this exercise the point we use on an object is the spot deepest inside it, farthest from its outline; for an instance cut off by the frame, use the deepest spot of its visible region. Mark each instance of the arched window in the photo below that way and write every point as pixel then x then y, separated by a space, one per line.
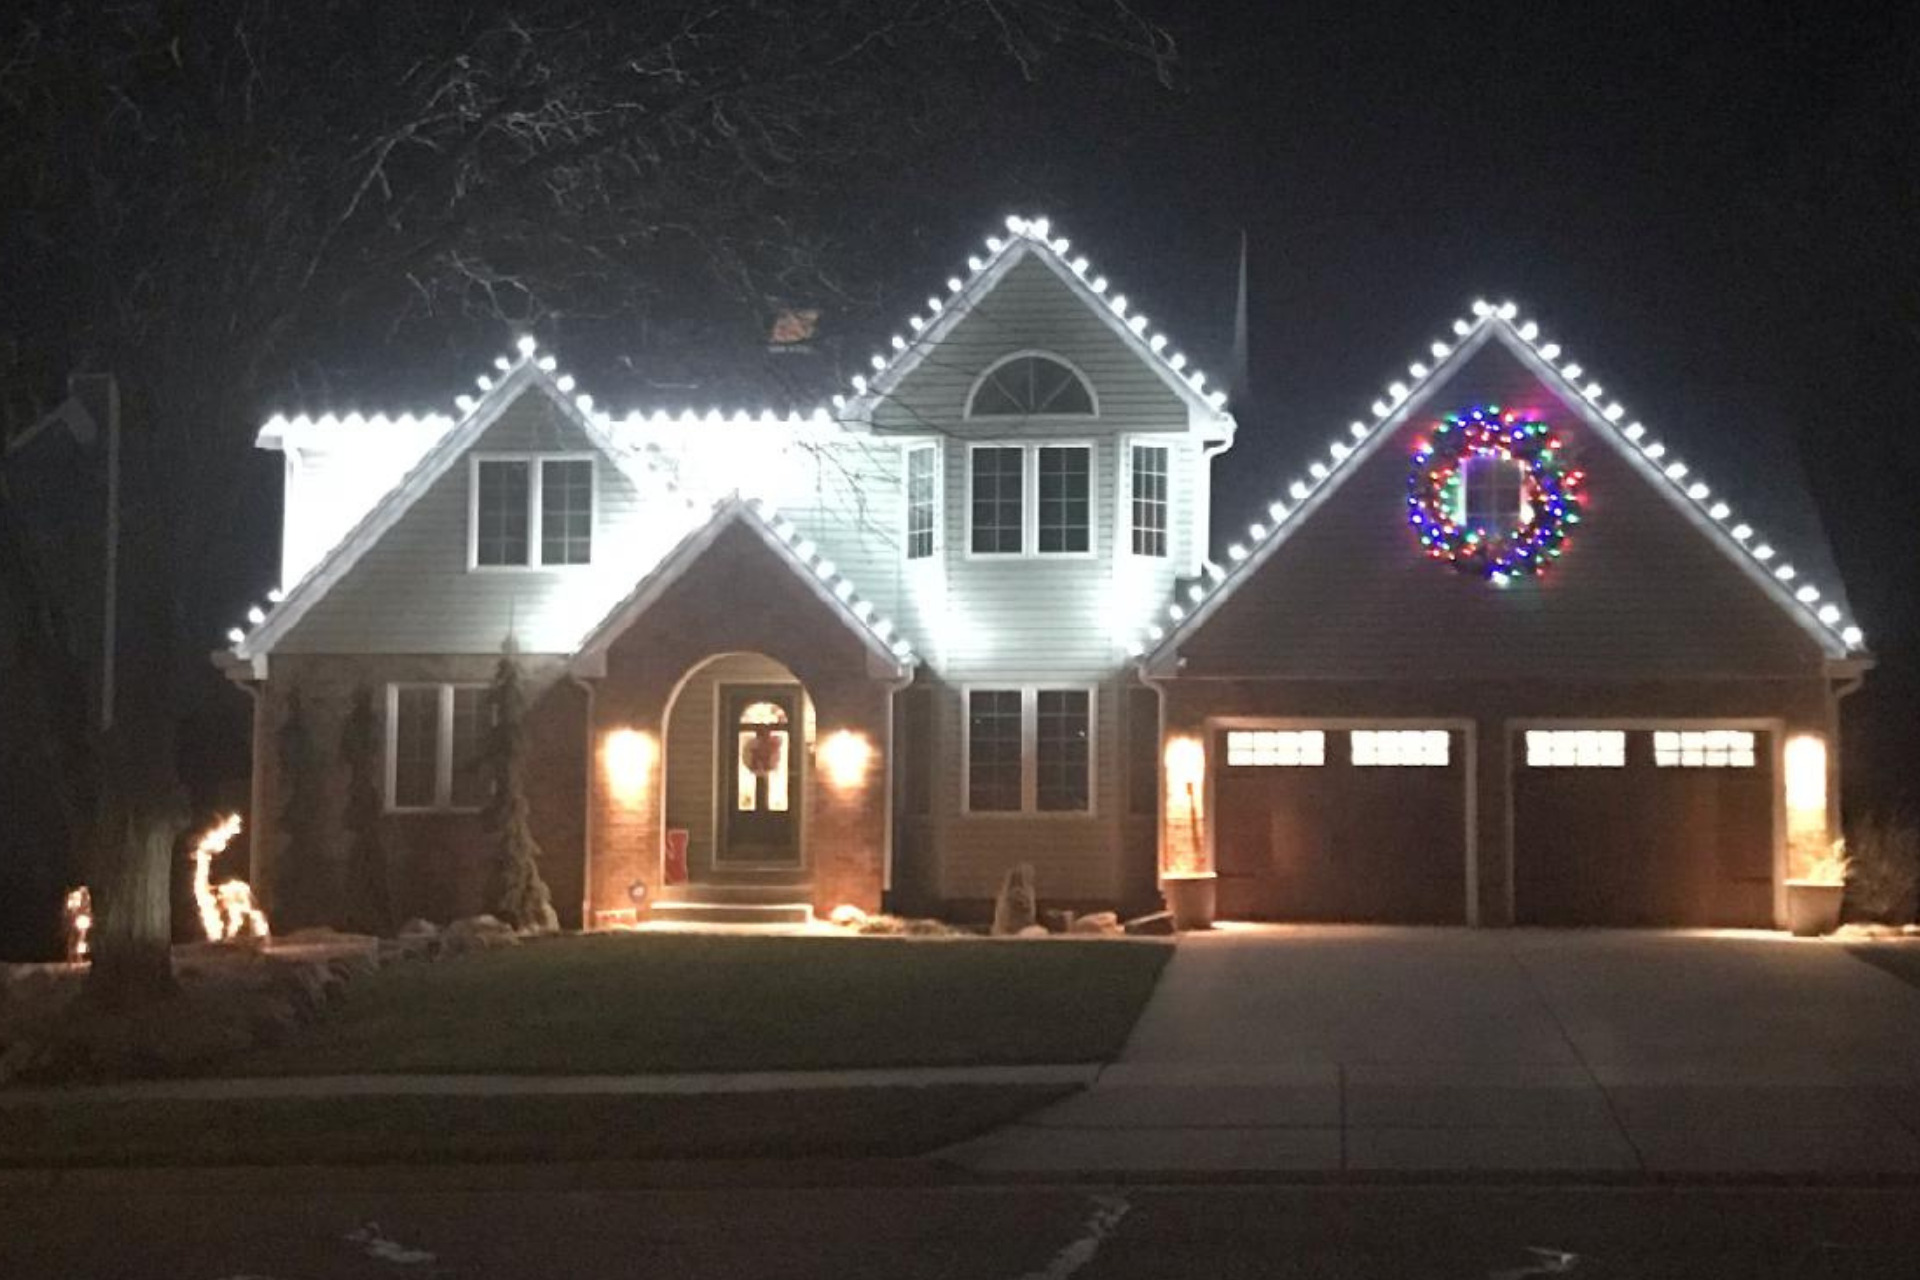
pixel 1024 385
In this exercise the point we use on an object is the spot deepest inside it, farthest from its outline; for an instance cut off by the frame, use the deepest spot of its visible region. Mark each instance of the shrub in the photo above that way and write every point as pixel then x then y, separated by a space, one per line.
pixel 1883 883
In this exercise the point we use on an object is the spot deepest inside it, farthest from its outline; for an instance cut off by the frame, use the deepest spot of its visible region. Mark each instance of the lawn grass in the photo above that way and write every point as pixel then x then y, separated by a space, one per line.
pixel 642 1003
pixel 825 1124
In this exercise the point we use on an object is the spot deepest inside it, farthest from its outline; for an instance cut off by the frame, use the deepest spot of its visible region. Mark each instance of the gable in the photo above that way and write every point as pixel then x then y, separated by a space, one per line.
pixel 1030 309
pixel 1642 588
pixel 1035 308
pixel 742 581
pixel 406 586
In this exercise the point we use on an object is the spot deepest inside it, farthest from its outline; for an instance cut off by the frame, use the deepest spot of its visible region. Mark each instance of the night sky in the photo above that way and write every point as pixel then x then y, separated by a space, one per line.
pixel 1717 207
pixel 1720 207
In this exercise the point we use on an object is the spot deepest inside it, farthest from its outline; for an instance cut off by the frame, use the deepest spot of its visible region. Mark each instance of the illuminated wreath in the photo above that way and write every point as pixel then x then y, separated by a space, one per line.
pixel 1548 494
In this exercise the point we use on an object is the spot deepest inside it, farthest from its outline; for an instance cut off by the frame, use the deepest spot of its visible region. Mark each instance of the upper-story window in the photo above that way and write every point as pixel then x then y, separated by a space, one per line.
pixel 1066 499
pixel 1028 384
pixel 1034 499
pixel 1494 493
pixel 923 499
pixel 531 511
pixel 1148 467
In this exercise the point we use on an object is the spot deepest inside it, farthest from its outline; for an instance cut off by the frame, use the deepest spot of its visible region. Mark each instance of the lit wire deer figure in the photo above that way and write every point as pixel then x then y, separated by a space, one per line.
pixel 227 910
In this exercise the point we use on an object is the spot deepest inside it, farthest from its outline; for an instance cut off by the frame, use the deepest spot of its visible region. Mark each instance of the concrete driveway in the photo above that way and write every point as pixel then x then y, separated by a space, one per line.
pixel 1588 1052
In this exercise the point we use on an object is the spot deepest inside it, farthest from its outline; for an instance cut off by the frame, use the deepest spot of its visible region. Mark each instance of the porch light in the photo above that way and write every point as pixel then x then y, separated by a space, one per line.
pixel 626 757
pixel 1806 761
pixel 844 758
pixel 1808 837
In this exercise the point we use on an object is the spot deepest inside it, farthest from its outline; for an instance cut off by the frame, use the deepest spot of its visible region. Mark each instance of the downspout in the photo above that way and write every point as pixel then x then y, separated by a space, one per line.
pixel 1203 515
pixel 587 827
pixel 1159 685
pixel 894 688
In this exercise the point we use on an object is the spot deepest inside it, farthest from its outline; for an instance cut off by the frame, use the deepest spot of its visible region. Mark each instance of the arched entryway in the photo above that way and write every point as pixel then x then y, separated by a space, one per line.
pixel 739 740
pixel 734 648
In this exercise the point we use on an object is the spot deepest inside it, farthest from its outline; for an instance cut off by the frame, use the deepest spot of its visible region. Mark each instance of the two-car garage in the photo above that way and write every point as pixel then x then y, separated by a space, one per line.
pixel 1649 825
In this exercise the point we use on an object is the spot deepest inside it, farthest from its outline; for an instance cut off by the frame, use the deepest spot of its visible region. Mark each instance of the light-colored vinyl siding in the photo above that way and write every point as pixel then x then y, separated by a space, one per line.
pixel 413 593
pixel 1074 856
pixel 1639 592
pixel 1037 620
pixel 691 739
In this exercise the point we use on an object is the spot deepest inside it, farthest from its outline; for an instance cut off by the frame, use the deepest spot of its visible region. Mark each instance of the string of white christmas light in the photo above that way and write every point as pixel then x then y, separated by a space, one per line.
pixel 1037 232
pixel 1809 597
pixel 841 586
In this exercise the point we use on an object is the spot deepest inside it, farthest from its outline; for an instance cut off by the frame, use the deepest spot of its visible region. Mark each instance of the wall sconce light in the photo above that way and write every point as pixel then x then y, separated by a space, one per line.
pixel 844 758
pixel 626 758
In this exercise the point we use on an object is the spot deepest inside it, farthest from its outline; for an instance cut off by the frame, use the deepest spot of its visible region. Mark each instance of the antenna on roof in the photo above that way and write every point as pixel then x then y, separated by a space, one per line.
pixel 1240 376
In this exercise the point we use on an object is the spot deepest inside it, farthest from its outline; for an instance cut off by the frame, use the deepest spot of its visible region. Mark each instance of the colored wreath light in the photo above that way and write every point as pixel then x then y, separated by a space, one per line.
pixel 1435 491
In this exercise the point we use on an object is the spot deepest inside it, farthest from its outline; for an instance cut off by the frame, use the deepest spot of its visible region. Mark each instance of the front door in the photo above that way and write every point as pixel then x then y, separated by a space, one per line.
pixel 759 776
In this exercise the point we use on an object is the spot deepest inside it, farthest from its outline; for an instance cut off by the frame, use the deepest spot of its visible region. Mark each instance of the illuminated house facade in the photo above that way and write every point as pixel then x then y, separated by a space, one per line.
pixel 1519 666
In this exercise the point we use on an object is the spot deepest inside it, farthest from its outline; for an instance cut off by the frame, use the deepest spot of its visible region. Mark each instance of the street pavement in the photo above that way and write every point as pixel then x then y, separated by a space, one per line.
pixel 1560 1052
pixel 552 1221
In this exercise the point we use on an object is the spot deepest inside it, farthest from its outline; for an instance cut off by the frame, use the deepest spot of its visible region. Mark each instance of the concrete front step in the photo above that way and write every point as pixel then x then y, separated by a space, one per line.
pixel 768 913
pixel 759 893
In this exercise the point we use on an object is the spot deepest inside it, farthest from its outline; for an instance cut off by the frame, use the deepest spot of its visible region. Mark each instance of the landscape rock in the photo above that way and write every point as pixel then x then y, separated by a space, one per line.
pixel 1034 931
pixel 479 933
pixel 418 928
pixel 1014 908
pixel 1100 922
pixel 848 916
pixel 1057 920
pixel 1157 925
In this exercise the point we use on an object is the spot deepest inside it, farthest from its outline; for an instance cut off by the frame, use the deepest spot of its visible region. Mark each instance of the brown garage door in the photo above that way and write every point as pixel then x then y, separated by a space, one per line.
pixel 1329 825
pixel 1639 827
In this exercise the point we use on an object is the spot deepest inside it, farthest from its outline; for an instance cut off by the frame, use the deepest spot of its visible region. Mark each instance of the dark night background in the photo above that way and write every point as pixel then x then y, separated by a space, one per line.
pixel 1700 204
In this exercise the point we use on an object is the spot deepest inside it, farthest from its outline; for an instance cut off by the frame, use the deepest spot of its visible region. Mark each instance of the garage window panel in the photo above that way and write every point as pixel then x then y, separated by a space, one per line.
pixel 1276 748
pixel 1703 749
pixel 1400 748
pixel 1576 749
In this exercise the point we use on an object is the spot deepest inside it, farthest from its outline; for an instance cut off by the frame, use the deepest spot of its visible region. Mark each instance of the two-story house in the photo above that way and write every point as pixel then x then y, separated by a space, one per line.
pixel 1496 656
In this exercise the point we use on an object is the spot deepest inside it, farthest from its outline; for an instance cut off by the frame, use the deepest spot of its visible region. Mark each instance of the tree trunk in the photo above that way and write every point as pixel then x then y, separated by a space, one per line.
pixel 133 903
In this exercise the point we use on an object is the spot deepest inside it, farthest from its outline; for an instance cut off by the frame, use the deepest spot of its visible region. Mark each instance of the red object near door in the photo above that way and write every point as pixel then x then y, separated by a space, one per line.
pixel 677 856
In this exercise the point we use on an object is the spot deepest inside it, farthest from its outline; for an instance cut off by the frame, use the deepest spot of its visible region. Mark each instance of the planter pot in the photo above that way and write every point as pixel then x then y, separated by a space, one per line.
pixel 1813 909
pixel 1190 899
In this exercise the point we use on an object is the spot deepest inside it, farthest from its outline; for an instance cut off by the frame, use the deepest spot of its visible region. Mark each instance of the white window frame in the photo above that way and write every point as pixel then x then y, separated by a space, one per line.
pixel 1124 496
pixel 973 391
pixel 1030 499
pixel 1295 740
pixel 1552 740
pixel 536 485
pixel 1705 749
pixel 939 506
pixel 442 748
pixel 1030 750
pixel 1396 748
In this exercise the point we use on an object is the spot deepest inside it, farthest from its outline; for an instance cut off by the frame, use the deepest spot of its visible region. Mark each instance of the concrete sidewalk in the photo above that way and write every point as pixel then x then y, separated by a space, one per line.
pixel 1332 1050
pixel 471 1086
